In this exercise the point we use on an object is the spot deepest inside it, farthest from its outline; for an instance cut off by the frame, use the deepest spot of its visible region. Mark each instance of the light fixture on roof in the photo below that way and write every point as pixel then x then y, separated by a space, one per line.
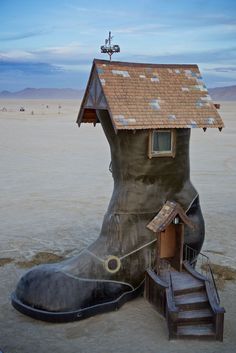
pixel 108 48
pixel 176 220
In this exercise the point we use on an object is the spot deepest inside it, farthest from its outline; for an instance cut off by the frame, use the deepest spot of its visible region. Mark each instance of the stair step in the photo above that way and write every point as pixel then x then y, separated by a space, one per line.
pixel 185 282
pixel 192 300
pixel 187 290
pixel 196 331
pixel 195 316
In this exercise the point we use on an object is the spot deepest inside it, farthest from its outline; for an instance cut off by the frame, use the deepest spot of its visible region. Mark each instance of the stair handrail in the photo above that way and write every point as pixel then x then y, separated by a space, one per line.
pixel 172 291
pixel 170 296
pixel 192 256
pixel 171 310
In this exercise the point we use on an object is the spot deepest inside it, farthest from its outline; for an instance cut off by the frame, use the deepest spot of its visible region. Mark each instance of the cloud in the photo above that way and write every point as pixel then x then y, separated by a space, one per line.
pixel 206 19
pixel 60 55
pixel 72 54
pixel 28 68
pixel 223 69
pixel 62 51
pixel 82 67
pixel 202 31
pixel 91 11
pixel 216 56
pixel 145 28
pixel 216 28
pixel 18 55
pixel 220 18
pixel 23 35
pixel 18 75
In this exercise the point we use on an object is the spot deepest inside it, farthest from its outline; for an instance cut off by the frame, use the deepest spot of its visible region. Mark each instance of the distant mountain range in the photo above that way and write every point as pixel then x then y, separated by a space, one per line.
pixel 43 93
pixel 219 93
pixel 223 93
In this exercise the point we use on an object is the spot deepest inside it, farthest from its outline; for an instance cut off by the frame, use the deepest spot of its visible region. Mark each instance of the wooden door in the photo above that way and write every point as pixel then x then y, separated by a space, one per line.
pixel 168 242
pixel 171 245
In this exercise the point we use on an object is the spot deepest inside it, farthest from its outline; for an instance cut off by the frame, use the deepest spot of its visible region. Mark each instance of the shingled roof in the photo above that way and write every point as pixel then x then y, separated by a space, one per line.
pixel 148 96
pixel 166 215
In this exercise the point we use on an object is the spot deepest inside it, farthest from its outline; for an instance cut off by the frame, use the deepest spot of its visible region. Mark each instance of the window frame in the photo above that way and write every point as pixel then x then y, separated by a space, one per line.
pixel 171 153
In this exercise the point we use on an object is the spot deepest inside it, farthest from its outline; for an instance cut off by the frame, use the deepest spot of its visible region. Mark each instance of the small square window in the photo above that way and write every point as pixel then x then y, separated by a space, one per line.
pixel 162 143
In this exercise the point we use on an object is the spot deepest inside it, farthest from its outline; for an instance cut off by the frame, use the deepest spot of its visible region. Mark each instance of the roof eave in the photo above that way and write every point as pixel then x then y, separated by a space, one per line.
pixel 81 110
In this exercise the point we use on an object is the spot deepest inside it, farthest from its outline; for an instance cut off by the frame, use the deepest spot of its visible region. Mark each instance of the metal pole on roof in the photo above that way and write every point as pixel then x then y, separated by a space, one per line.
pixel 108 48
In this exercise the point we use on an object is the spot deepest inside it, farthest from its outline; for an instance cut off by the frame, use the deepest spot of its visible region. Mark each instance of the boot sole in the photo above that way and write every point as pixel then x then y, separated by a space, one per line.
pixel 75 315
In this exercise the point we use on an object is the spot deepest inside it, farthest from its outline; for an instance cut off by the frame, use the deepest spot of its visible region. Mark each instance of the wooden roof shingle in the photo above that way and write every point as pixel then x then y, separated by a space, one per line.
pixel 149 96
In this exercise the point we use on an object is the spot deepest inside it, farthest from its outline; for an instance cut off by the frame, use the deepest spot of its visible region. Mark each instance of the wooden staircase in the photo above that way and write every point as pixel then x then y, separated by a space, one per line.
pixel 194 318
pixel 182 287
pixel 188 302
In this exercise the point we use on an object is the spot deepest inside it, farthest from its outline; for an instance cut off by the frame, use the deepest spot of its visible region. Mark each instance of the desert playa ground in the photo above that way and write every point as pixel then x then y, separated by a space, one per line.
pixel 55 187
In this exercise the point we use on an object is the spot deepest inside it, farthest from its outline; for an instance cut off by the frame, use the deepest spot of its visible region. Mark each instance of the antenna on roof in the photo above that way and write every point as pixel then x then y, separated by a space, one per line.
pixel 108 48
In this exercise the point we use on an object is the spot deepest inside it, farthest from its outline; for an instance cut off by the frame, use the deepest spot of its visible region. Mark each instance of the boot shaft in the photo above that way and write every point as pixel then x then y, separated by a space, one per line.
pixel 143 184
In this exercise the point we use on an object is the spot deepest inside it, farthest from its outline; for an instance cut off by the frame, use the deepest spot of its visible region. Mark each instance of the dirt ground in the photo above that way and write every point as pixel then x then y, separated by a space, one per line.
pixel 55 187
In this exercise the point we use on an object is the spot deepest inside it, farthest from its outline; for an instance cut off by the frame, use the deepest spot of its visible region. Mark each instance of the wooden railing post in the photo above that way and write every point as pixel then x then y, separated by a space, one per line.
pixel 219 325
pixel 155 291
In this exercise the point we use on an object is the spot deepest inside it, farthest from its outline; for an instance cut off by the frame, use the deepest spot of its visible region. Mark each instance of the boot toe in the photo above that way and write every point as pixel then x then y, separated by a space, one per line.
pixel 47 288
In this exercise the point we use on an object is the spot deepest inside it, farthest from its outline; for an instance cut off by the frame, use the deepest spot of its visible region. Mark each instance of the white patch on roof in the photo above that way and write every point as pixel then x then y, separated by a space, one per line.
pixel 122 120
pixel 118 117
pixel 192 124
pixel 142 76
pixel 155 79
pixel 121 73
pixel 177 71
pixel 170 71
pixel 103 82
pixel 202 102
pixel 188 72
pixel 131 120
pixel 207 98
pixel 155 104
pixel 210 120
pixel 172 117
pixel 185 89
pixel 202 88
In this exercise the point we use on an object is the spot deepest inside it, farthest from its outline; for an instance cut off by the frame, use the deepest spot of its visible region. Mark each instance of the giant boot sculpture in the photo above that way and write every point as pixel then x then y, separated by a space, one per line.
pixel 111 270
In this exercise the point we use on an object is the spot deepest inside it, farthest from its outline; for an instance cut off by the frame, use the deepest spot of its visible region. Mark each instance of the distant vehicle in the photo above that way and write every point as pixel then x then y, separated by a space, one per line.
pixel 22 109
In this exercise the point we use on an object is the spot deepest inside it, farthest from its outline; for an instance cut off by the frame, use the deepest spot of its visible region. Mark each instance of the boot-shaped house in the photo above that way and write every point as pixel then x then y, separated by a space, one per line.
pixel 147 112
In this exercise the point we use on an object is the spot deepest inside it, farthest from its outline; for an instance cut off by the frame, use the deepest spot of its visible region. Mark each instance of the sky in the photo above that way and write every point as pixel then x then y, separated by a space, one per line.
pixel 52 43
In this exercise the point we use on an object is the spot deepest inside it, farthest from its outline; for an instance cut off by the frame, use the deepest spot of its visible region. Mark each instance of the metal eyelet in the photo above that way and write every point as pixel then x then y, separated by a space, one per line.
pixel 112 264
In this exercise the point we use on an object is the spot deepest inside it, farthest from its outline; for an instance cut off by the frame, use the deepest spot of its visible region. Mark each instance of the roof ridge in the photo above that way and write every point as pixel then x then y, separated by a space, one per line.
pixel 126 63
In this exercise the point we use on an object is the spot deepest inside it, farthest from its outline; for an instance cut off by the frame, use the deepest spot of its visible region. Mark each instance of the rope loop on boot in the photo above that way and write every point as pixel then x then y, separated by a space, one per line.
pixel 113 263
